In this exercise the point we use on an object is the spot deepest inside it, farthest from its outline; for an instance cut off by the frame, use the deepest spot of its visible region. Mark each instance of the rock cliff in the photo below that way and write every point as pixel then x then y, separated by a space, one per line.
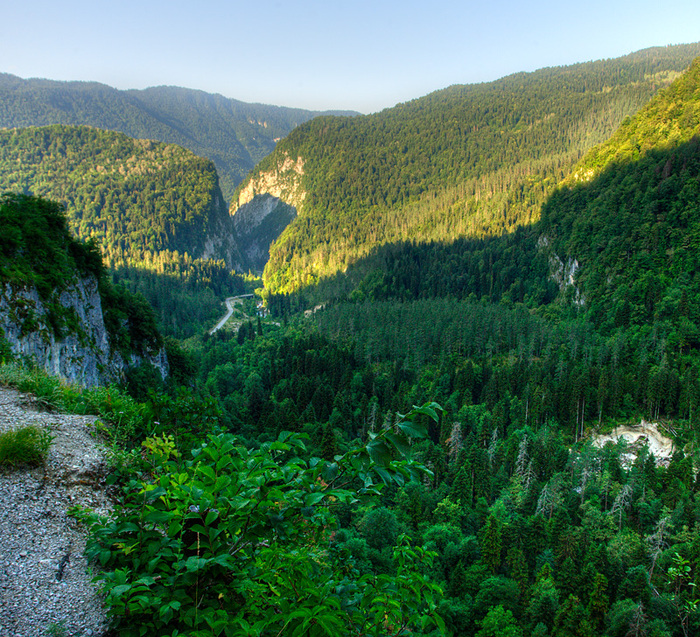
pixel 265 204
pixel 281 180
pixel 81 351
pixel 257 224
pixel 219 240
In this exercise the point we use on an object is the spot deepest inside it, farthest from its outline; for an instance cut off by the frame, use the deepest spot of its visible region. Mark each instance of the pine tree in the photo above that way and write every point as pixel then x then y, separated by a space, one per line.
pixel 598 602
pixel 490 543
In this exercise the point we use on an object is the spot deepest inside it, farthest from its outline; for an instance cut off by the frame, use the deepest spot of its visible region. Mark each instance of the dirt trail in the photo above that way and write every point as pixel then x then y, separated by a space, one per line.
pixel 45 581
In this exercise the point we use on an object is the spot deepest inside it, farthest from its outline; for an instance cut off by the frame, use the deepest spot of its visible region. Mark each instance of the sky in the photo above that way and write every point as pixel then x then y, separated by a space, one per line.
pixel 361 55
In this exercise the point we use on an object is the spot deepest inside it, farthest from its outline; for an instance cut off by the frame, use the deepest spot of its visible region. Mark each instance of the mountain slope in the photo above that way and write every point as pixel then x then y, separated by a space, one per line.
pixel 616 242
pixel 57 306
pixel 143 202
pixel 630 217
pixel 233 134
pixel 468 161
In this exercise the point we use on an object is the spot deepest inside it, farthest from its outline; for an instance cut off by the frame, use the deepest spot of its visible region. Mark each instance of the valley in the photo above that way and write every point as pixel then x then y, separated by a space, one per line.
pixel 469 298
pixel 231 303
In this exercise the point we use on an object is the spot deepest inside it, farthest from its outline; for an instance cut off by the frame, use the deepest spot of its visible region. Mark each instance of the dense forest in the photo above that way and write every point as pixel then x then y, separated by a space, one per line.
pixel 420 451
pixel 468 161
pixel 232 134
pixel 154 210
pixel 141 201
pixel 537 531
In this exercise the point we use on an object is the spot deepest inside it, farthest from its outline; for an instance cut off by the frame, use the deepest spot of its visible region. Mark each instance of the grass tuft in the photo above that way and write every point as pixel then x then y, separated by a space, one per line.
pixel 25 446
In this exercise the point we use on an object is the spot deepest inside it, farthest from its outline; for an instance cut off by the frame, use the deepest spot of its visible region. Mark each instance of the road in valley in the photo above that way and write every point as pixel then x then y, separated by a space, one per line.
pixel 231 302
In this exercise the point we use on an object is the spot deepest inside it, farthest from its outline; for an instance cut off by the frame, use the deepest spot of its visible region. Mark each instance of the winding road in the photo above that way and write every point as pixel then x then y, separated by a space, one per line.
pixel 231 301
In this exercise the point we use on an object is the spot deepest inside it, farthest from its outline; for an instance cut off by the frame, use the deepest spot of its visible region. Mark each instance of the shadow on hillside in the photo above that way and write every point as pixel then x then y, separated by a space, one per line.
pixel 624 236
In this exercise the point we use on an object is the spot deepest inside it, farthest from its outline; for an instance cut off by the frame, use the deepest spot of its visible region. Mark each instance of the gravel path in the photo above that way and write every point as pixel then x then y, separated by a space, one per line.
pixel 45 586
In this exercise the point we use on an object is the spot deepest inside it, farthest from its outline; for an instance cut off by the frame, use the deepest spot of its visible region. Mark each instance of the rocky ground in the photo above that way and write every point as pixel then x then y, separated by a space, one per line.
pixel 45 582
pixel 637 436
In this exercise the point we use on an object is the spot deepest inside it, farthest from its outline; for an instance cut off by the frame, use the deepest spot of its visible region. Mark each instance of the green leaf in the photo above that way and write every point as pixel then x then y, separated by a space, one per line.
pixel 379 452
pixel 429 409
pixel 207 471
pixel 158 517
pixel 223 462
pixel 194 563
pixel 118 591
pixel 413 430
pixel 313 498
pixel 383 474
pixel 400 442
pixel 221 483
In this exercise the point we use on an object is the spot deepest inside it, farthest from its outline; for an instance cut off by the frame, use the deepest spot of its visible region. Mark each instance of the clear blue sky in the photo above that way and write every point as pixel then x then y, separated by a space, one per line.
pixel 364 55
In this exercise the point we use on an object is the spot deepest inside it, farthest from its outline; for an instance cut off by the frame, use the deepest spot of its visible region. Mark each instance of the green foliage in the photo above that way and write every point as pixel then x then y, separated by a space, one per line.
pixel 467 161
pixel 36 247
pixel 499 623
pixel 24 446
pixel 125 417
pixel 237 541
pixel 129 320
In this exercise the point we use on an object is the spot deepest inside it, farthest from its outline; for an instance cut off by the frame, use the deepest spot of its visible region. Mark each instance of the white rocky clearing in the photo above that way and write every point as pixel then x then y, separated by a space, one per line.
pixel 637 436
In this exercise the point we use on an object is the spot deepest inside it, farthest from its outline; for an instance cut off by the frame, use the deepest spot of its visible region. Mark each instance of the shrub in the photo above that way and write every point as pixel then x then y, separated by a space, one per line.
pixel 236 542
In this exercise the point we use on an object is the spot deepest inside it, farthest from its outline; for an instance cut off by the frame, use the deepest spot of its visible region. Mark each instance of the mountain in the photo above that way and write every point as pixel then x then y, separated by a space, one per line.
pixel 155 210
pixel 467 161
pixel 233 134
pixel 628 218
pixel 144 203
pixel 589 314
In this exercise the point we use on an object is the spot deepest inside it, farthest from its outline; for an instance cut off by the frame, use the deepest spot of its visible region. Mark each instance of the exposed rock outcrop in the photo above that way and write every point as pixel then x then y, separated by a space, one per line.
pixel 564 274
pixel 265 204
pixel 283 181
pixel 645 434
pixel 83 353
pixel 257 224
pixel 219 241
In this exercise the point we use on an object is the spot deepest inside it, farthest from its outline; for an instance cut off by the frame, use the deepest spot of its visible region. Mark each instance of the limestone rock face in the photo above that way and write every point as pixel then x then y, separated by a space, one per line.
pixel 257 224
pixel 266 204
pixel 283 181
pixel 220 237
pixel 82 354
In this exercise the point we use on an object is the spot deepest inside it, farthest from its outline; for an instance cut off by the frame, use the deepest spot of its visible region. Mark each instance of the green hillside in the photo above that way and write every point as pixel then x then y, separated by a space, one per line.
pixel 611 267
pixel 155 211
pixel 37 250
pixel 233 134
pixel 633 221
pixel 468 161
pixel 141 201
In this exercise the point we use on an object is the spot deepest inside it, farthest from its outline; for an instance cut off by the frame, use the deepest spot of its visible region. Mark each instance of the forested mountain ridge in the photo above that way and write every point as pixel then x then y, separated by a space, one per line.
pixel 155 210
pixel 143 202
pixel 629 217
pixel 670 119
pixel 233 134
pixel 468 161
